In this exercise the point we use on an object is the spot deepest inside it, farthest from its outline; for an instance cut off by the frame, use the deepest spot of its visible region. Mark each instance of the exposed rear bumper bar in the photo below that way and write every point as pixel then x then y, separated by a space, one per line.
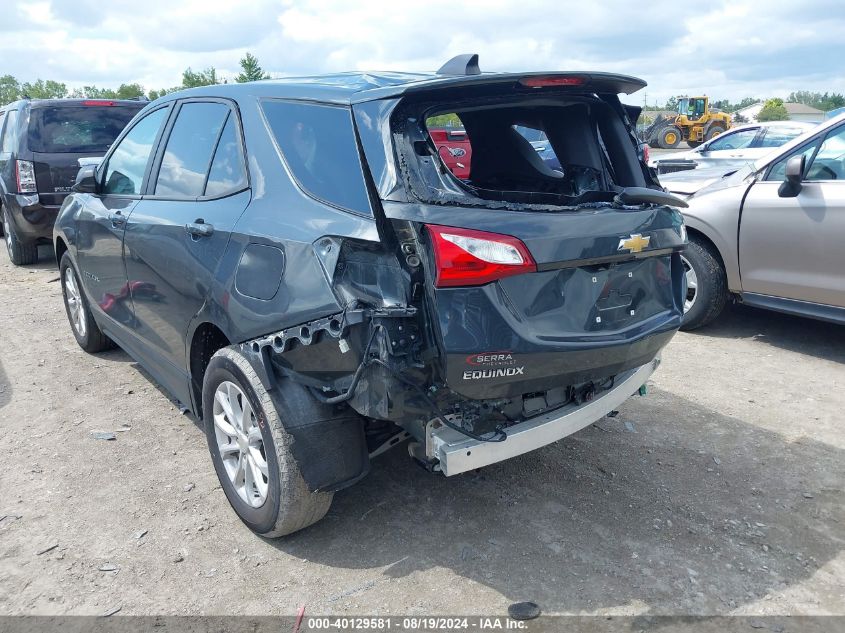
pixel 457 453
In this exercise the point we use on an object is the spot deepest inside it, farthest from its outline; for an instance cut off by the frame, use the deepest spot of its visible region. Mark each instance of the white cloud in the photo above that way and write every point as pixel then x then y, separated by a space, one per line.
pixel 727 50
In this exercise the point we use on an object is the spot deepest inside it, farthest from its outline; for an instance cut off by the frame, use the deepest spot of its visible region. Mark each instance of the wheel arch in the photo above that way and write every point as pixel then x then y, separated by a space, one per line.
pixel 705 234
pixel 206 339
pixel 61 248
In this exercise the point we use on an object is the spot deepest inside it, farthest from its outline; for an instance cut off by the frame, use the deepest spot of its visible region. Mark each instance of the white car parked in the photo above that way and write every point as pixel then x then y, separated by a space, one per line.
pixel 739 145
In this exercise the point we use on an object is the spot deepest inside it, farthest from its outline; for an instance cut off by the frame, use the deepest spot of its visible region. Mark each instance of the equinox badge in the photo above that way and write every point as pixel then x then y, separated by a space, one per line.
pixel 635 243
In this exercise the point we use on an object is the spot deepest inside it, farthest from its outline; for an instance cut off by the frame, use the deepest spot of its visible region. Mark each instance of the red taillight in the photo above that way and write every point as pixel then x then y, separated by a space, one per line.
pixel 541 82
pixel 465 257
pixel 646 153
pixel 25 176
pixel 97 102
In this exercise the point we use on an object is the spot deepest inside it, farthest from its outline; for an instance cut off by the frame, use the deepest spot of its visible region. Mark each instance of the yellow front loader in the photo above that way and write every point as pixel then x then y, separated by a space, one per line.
pixel 694 123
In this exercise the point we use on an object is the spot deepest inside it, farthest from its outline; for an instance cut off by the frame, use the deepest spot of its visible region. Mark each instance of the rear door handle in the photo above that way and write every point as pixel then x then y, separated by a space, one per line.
pixel 117 219
pixel 199 229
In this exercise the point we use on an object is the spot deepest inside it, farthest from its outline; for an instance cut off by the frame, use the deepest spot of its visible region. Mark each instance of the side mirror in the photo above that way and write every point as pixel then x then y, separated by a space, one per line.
pixel 791 186
pixel 86 180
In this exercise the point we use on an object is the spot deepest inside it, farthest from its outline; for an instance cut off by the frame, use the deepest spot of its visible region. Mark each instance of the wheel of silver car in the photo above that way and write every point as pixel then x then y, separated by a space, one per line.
pixel 85 329
pixel 707 284
pixel 692 285
pixel 240 444
pixel 252 450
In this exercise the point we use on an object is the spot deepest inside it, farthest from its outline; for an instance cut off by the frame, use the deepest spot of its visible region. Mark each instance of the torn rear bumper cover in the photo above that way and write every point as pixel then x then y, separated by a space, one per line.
pixel 457 453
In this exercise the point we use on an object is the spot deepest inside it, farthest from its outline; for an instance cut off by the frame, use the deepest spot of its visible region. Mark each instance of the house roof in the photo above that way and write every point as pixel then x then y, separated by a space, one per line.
pixel 800 108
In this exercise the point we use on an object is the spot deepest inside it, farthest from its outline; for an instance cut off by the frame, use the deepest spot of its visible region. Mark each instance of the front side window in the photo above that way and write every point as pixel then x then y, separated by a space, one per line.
pixel 829 161
pixel 127 164
pixel 189 149
pixel 777 136
pixel 319 146
pixel 737 140
pixel 778 170
pixel 9 132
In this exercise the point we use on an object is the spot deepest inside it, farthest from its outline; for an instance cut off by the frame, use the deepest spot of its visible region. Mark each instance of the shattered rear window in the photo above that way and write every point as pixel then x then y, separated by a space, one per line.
pixel 528 152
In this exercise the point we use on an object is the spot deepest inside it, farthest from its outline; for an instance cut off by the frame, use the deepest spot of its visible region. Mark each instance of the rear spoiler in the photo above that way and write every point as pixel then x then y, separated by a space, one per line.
pixel 463 72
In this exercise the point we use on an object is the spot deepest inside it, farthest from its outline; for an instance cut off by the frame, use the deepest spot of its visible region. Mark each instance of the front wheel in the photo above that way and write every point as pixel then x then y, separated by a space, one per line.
pixel 85 329
pixel 251 450
pixel 707 285
pixel 669 137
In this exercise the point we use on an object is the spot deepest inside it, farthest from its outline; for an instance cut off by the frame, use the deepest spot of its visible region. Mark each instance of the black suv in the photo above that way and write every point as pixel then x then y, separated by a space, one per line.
pixel 42 144
pixel 294 262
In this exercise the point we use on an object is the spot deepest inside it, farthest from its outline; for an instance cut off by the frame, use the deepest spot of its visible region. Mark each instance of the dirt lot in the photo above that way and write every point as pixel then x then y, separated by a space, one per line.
pixel 720 492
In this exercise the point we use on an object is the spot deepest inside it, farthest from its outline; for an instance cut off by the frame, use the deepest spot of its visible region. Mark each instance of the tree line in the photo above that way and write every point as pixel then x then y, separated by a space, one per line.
pixel 821 101
pixel 11 89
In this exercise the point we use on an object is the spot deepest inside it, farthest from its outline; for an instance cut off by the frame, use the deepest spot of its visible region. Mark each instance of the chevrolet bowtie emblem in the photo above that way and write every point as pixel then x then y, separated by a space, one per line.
pixel 635 243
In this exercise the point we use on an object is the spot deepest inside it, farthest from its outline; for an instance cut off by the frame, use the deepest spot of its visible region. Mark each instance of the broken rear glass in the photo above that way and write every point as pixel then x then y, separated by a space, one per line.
pixel 528 151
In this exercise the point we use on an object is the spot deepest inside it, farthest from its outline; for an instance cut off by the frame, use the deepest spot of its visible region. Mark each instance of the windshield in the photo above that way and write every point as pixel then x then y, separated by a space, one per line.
pixel 77 129
pixel 683 106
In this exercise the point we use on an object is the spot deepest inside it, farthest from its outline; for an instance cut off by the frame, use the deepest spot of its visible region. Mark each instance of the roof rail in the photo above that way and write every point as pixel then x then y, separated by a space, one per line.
pixel 461 65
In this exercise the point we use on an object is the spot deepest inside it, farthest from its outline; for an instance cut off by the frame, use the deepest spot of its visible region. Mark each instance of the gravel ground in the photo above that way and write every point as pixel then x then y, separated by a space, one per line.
pixel 721 492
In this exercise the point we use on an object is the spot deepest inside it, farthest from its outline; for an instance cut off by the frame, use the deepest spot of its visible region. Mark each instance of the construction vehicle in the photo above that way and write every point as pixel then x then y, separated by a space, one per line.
pixel 694 123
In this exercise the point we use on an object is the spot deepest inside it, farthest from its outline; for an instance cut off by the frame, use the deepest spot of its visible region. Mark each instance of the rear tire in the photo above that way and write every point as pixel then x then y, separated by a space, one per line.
pixel 264 485
pixel 707 298
pixel 669 137
pixel 20 254
pixel 85 329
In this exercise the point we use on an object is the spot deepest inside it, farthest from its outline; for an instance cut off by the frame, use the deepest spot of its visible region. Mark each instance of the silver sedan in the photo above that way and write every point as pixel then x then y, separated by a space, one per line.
pixel 770 234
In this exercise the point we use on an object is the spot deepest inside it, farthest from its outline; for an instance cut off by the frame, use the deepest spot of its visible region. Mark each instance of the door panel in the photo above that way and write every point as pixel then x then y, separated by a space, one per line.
pixel 170 270
pixel 179 231
pixel 101 223
pixel 99 254
pixel 792 247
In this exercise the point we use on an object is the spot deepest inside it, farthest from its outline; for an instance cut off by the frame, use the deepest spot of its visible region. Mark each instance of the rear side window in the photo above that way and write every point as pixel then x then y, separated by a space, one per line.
pixel 227 173
pixel 777 136
pixel 9 132
pixel 77 129
pixel 319 146
pixel 128 163
pixel 189 149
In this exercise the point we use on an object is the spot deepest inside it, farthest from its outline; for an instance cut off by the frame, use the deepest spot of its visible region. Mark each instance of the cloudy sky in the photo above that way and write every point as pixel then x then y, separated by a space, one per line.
pixel 727 49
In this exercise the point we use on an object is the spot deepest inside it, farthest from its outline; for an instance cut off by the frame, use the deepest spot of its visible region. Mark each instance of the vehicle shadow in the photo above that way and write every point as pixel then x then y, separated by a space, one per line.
pixel 668 508
pixel 796 334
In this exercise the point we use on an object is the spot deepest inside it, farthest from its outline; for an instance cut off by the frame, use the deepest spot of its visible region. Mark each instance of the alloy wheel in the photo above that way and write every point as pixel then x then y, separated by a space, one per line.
pixel 692 285
pixel 74 304
pixel 240 444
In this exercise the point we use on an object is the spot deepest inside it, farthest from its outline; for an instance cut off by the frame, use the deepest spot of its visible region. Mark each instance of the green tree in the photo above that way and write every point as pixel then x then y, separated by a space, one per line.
pixel 252 71
pixel 773 110
pixel 825 102
pixel 93 92
pixel 152 95
pixel 41 89
pixel 191 79
pixel 10 89
pixel 129 91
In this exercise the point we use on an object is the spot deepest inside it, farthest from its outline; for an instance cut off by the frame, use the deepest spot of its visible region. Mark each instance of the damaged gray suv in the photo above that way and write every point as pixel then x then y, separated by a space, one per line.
pixel 295 262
